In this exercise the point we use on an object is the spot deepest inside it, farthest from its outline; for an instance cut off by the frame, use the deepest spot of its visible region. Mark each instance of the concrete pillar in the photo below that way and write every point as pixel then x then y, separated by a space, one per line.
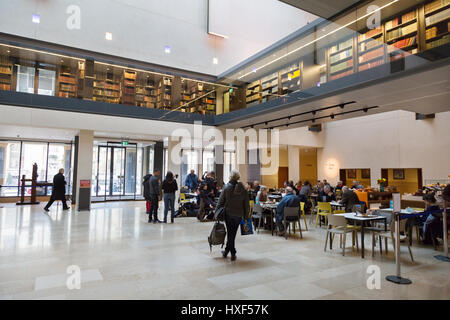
pixel 294 163
pixel 159 156
pixel 218 154
pixel 84 170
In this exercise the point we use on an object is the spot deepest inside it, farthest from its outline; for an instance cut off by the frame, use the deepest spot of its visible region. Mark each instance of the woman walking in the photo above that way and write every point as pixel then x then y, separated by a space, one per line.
pixel 169 186
pixel 235 200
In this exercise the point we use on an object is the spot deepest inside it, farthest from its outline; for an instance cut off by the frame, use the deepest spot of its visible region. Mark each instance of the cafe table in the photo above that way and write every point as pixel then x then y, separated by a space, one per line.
pixel 272 206
pixel 337 204
pixel 362 218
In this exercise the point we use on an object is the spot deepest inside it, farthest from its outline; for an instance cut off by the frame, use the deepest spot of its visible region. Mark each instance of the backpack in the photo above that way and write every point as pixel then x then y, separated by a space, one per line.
pixel 217 236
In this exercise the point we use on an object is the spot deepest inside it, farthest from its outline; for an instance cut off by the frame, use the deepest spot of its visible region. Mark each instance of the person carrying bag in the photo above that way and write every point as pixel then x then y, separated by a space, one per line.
pixel 233 206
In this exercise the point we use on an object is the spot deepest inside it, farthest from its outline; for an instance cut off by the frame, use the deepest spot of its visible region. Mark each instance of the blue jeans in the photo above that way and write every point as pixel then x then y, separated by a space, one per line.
pixel 169 202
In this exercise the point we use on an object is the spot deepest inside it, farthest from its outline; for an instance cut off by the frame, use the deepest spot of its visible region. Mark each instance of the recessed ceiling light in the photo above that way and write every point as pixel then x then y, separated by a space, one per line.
pixel 8 51
pixel 167 49
pixel 36 18
pixel 108 36
pixel 215 60
pixel 62 60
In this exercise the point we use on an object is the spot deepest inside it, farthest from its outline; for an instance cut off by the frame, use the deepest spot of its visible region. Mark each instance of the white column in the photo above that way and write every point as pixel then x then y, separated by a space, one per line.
pixel 294 163
pixel 84 165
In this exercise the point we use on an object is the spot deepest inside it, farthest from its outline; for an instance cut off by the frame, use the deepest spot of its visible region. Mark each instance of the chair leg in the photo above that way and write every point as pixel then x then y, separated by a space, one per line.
pixel 326 241
pixel 356 240
pixel 381 246
pixel 373 244
pixel 386 246
pixel 343 247
pixel 317 220
pixel 306 225
pixel 409 249
pixel 300 228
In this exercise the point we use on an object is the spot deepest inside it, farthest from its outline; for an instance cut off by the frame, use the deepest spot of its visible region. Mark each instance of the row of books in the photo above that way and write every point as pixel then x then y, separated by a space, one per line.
pixel 440 16
pixel 128 83
pixel 106 85
pixel 106 93
pixel 252 98
pixel 129 75
pixel 341 56
pixel 342 45
pixel 437 43
pixel 128 90
pixel 66 79
pixel 269 84
pixel 341 75
pixel 5 86
pixel 432 6
pixel 431 32
pixel 370 65
pixel 368 45
pixel 371 55
pixel 65 94
pixel 401 31
pixel 407 42
pixel 371 33
pixel 67 87
pixel 5 70
pixel 341 66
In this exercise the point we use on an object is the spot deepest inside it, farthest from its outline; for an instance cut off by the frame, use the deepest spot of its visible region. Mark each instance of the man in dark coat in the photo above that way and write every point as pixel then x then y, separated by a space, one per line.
pixel 58 190
pixel 147 195
pixel 155 196
pixel 349 199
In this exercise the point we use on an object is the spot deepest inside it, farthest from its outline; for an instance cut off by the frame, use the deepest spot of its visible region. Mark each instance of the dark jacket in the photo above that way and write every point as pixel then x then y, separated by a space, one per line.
pixel 234 198
pixel 59 187
pixel 328 198
pixel 206 197
pixel 154 186
pixel 146 185
pixel 169 187
pixel 212 185
pixel 349 199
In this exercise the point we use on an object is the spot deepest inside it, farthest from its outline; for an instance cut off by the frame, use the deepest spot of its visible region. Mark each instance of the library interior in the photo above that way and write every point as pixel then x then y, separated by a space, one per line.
pixel 285 122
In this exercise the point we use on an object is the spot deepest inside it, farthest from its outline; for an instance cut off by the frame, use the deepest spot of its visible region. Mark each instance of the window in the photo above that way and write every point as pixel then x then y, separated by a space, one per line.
pixel 189 161
pixel 58 158
pixel 208 160
pixel 25 79
pixel 10 172
pixel 46 82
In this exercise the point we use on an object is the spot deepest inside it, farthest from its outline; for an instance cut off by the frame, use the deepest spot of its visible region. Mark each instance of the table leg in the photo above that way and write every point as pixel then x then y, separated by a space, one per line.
pixel 271 220
pixel 444 257
pixel 362 239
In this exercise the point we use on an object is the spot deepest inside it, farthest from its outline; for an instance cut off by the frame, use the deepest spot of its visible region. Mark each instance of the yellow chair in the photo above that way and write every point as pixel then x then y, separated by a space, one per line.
pixel 323 209
pixel 183 198
pixel 302 209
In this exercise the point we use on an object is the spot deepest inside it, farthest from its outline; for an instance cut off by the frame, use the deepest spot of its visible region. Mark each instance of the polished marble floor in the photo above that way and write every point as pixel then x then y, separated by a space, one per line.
pixel 121 256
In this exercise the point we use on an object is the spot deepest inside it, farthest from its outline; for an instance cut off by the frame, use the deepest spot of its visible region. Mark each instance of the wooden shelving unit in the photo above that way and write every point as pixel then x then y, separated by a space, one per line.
pixel 128 87
pixel 67 82
pixel 146 94
pixel 270 87
pixel 290 78
pixel 371 49
pixel 341 59
pixel 6 74
pixel 253 94
pixel 437 23
pixel 106 89
pixel 164 93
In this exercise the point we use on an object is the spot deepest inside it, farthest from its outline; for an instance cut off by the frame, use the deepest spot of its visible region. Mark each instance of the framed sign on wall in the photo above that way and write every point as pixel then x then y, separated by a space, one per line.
pixel 399 174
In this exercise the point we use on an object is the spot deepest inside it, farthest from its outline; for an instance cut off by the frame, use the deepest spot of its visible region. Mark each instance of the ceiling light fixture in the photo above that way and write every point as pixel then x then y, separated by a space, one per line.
pixel 167 49
pixel 342 105
pixel 215 60
pixel 321 37
pixel 313 112
pixel 332 116
pixel 108 36
pixel 313 120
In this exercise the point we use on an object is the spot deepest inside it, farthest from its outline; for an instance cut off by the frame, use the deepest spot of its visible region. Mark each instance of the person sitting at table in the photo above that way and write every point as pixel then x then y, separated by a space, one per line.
pixel 261 196
pixel 327 195
pixel 289 200
pixel 430 220
pixel 306 189
pixel 349 199
pixel 255 188
pixel 339 185
pixel 298 186
pixel 207 203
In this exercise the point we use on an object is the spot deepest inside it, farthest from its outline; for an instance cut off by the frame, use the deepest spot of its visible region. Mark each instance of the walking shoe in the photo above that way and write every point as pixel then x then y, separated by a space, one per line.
pixel 224 253
pixel 171 220
pixel 66 208
pixel 46 209
pixel 155 221
pixel 233 257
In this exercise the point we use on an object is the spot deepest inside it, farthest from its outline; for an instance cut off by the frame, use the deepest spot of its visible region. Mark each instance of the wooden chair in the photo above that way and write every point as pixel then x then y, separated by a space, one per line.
pixel 391 235
pixel 291 212
pixel 323 209
pixel 338 225
pixel 302 210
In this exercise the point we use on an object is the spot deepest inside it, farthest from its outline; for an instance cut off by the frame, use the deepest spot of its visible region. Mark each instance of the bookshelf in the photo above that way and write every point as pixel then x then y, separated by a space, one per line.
pixel 199 101
pixel 291 78
pixel 341 59
pixel 371 49
pixel 67 83
pixel 437 23
pixel 6 73
pixel 164 93
pixel 128 87
pixel 253 93
pixel 402 35
pixel 269 87
pixel 106 89
pixel 146 94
